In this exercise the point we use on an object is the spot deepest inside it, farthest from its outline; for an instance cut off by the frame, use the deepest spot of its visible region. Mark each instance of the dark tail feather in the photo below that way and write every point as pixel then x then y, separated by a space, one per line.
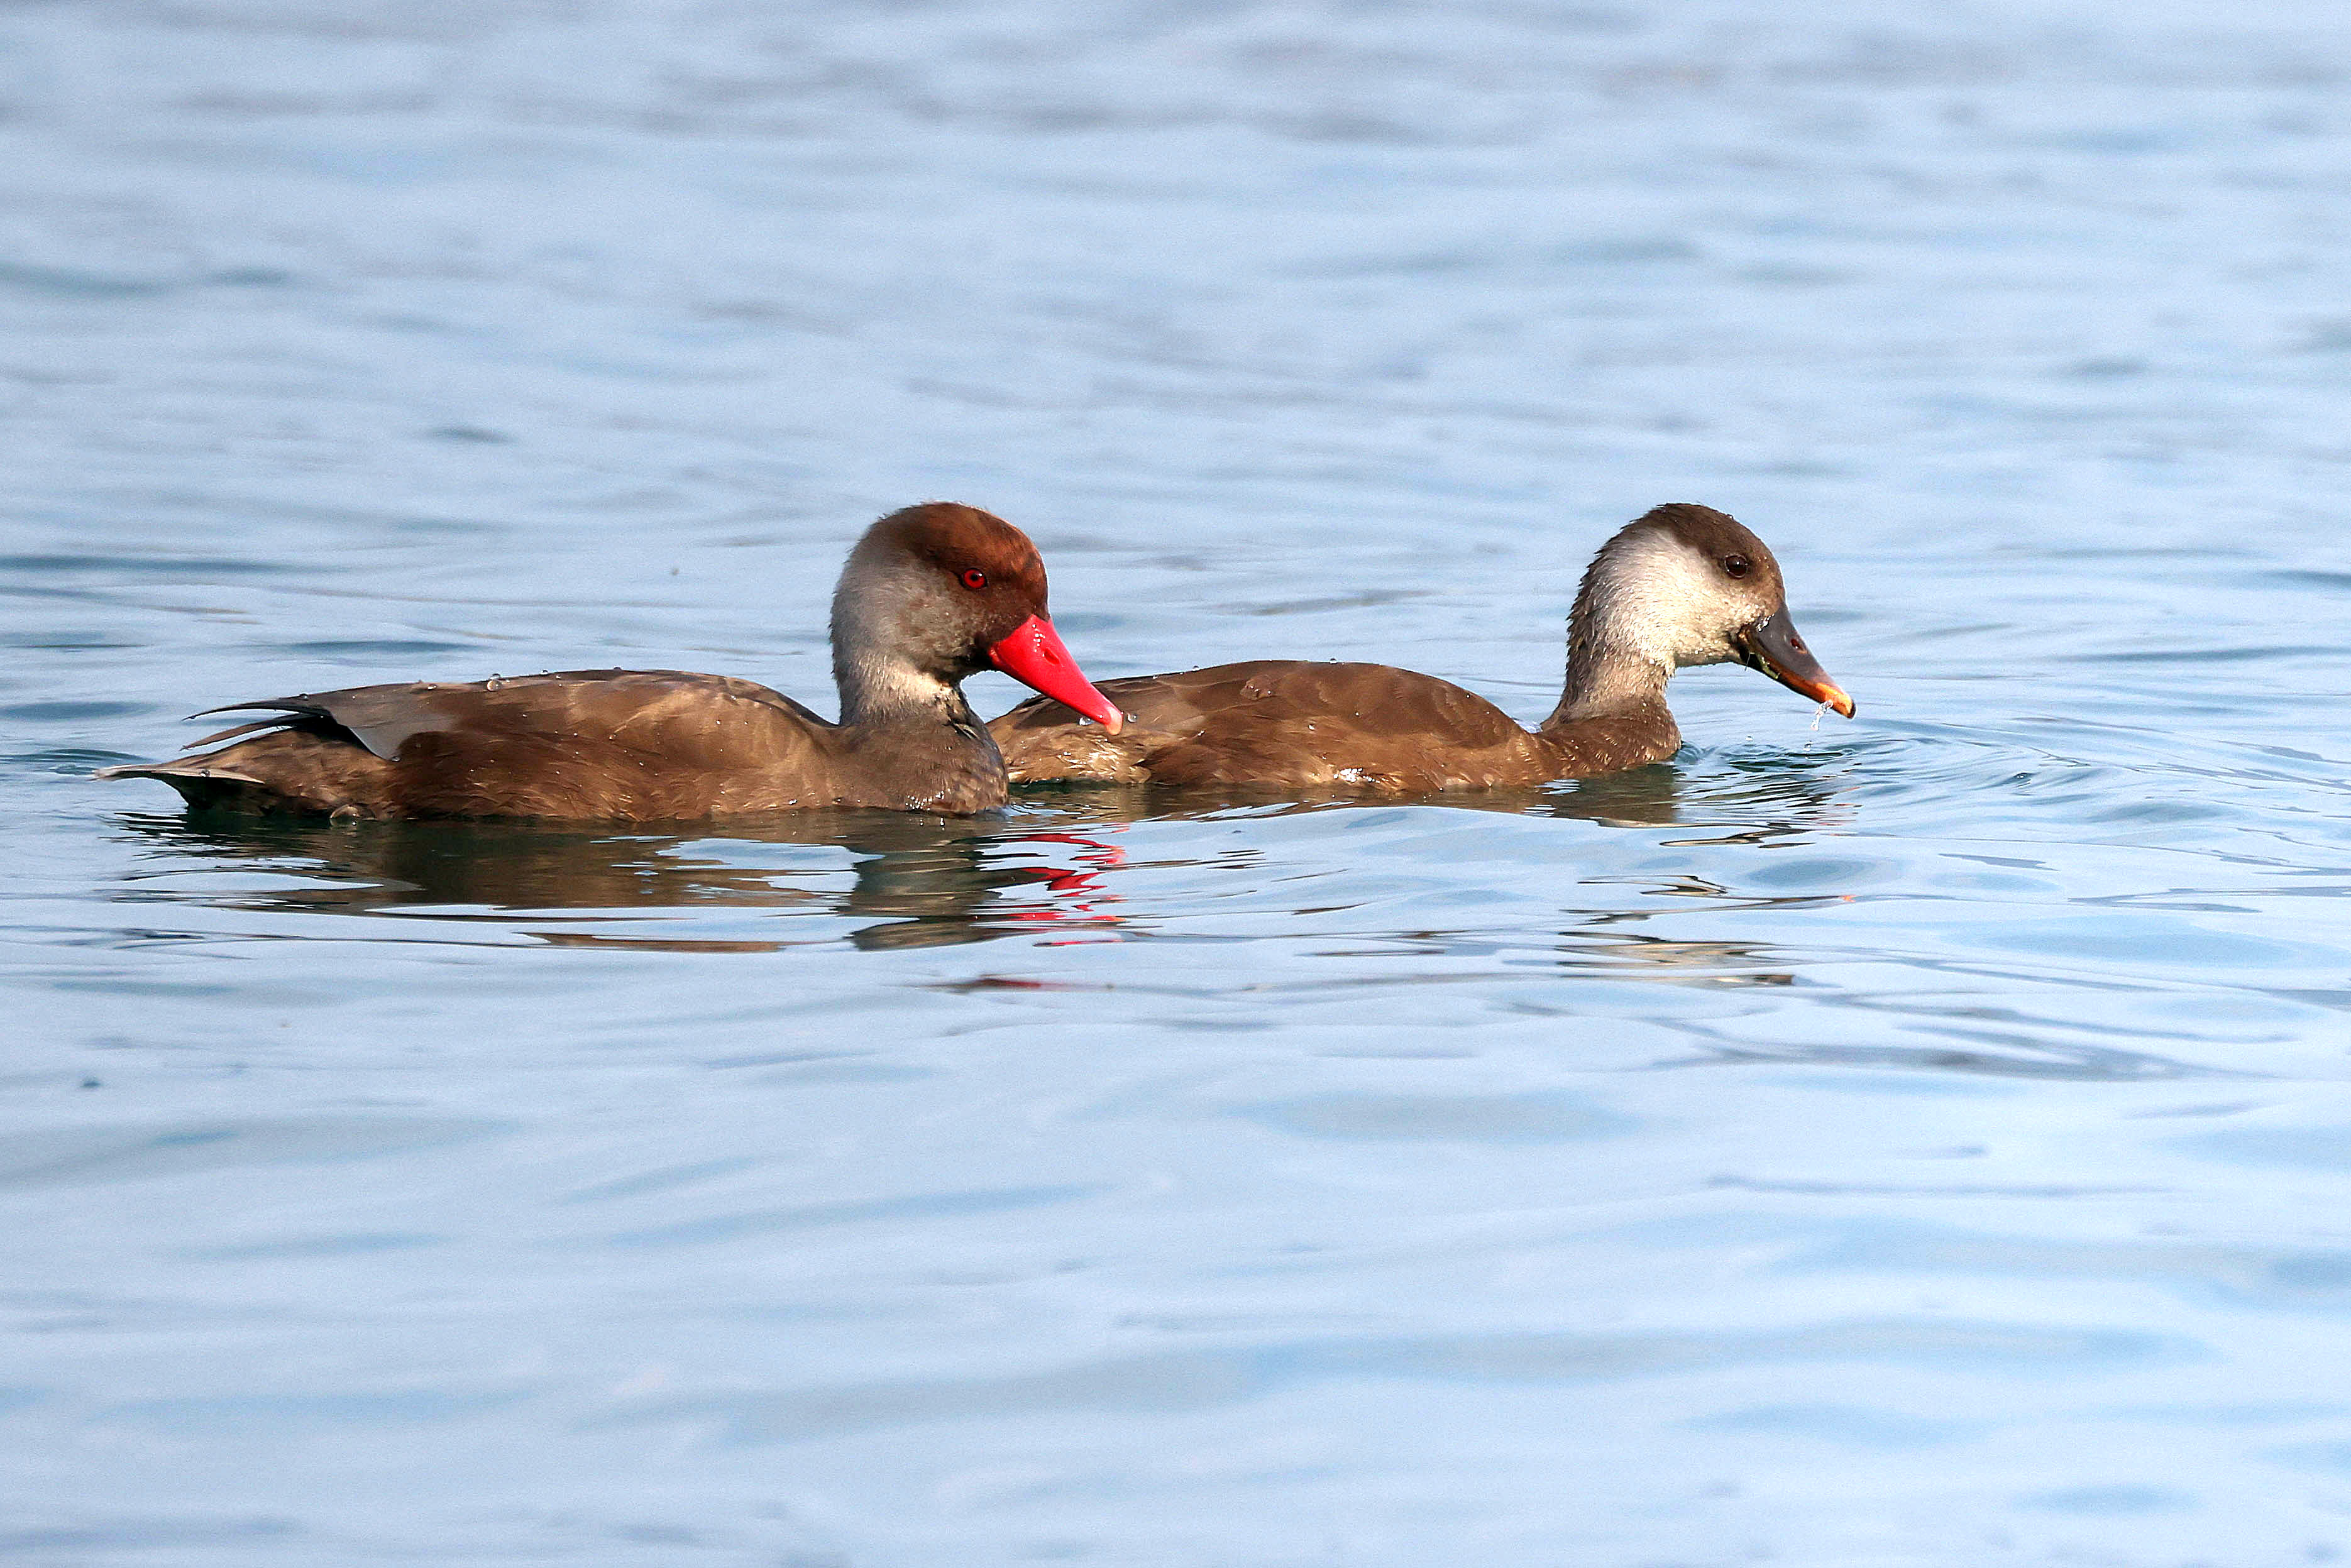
pixel 290 772
pixel 202 786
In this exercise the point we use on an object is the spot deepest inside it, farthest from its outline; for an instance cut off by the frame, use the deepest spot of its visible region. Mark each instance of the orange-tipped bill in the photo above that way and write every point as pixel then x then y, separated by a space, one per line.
pixel 1772 646
pixel 1034 657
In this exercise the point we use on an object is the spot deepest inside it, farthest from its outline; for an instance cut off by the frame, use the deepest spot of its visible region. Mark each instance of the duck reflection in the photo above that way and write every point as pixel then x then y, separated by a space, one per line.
pixel 1637 798
pixel 1740 801
pixel 1635 955
pixel 922 880
pixel 1043 869
pixel 1736 800
pixel 1758 801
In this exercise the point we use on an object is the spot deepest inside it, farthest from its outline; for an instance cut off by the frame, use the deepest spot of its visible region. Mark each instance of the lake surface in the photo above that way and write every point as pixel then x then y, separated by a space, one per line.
pixel 1917 1142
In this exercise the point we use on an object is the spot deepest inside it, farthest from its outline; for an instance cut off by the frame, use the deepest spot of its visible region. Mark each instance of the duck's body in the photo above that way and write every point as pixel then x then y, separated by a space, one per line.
pixel 1682 585
pixel 1322 727
pixel 930 595
pixel 635 744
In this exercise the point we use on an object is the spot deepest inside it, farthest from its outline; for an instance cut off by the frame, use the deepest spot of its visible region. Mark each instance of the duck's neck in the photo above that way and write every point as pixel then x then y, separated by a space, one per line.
pixel 1612 667
pixel 1613 714
pixel 910 740
pixel 890 673
pixel 907 738
pixel 889 693
pixel 1602 682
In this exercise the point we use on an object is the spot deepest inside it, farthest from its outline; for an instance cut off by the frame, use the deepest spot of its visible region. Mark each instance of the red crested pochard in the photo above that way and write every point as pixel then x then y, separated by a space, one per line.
pixel 930 595
pixel 1681 585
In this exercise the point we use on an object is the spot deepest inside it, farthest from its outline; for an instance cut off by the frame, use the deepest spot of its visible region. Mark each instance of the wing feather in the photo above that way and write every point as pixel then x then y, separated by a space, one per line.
pixel 642 744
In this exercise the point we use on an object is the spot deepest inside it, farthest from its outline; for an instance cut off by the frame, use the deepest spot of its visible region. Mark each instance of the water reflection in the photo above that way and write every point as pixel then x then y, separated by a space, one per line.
pixel 908 880
pixel 1759 800
pixel 1767 799
pixel 1643 797
pixel 926 881
pixel 1662 960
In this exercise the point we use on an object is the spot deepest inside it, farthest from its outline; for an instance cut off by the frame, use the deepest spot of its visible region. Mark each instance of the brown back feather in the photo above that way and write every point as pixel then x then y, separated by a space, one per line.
pixel 643 744
pixel 1283 723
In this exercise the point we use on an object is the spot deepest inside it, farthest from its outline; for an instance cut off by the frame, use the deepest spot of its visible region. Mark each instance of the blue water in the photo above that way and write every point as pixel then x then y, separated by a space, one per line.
pixel 1917 1143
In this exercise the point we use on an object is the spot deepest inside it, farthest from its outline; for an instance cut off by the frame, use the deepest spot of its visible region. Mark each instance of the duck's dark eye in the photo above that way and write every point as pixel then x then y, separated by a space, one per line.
pixel 1736 565
pixel 975 578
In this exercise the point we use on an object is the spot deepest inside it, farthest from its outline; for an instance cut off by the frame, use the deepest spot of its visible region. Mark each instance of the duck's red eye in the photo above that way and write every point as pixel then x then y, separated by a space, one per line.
pixel 975 578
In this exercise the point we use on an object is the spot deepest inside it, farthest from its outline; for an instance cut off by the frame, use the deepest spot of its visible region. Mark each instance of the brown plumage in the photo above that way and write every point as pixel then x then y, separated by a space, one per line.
pixel 1681 585
pixel 930 595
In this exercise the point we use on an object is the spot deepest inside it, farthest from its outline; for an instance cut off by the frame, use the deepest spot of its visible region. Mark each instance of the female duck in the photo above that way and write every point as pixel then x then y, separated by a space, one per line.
pixel 930 594
pixel 1682 585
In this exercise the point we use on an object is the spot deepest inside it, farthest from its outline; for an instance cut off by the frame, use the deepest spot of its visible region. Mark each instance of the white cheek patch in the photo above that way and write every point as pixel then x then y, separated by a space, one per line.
pixel 1669 605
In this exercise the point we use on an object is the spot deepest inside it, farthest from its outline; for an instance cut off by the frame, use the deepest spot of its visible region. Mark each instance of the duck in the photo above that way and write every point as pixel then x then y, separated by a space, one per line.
pixel 930 594
pixel 1680 585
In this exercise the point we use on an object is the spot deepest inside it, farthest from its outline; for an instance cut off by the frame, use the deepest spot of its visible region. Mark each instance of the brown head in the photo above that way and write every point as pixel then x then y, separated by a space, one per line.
pixel 1684 585
pixel 939 591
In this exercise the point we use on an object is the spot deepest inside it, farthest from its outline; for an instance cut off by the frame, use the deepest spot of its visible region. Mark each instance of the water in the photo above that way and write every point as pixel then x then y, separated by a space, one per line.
pixel 1917 1142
